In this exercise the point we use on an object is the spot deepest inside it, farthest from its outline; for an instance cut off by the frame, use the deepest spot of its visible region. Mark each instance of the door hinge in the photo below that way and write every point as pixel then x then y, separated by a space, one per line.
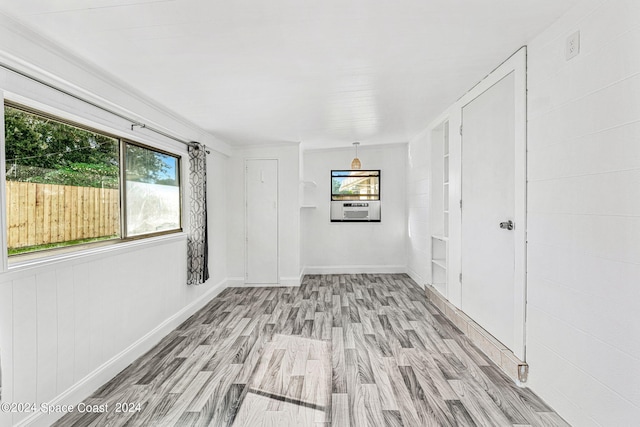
pixel 460 203
pixel 460 129
pixel 460 277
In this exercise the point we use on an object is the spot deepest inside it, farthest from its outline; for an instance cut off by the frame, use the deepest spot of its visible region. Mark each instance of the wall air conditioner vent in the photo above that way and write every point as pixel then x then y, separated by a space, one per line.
pixel 348 214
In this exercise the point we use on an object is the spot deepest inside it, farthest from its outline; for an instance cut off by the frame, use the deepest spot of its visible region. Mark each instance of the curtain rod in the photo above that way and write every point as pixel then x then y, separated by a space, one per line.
pixel 134 123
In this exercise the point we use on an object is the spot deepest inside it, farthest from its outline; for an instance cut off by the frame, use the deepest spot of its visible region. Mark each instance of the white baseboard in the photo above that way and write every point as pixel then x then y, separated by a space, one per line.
pixel 356 269
pixel 416 278
pixel 238 282
pixel 290 281
pixel 92 382
pixel 235 282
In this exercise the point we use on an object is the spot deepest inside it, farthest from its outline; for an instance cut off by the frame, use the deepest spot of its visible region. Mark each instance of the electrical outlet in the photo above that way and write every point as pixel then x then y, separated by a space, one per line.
pixel 572 48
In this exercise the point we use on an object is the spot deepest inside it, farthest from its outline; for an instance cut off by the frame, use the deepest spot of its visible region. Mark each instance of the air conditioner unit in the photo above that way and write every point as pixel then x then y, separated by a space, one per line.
pixel 368 211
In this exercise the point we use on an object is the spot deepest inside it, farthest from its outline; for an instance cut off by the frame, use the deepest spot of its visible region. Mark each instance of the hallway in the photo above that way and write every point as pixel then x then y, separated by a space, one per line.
pixel 340 350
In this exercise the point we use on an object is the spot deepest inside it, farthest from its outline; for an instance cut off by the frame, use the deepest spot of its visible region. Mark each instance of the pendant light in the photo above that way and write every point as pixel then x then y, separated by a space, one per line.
pixel 355 163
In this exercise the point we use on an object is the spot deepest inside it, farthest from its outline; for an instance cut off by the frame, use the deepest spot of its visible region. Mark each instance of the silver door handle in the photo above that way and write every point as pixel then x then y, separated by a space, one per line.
pixel 507 225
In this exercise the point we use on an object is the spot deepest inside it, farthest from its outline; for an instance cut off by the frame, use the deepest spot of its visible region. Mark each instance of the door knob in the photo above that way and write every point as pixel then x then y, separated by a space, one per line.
pixel 507 225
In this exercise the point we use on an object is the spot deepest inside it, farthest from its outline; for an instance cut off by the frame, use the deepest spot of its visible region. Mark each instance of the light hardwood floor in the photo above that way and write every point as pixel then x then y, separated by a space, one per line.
pixel 340 350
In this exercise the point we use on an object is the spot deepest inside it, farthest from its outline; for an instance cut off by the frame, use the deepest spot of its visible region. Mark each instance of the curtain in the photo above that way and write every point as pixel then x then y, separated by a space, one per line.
pixel 197 244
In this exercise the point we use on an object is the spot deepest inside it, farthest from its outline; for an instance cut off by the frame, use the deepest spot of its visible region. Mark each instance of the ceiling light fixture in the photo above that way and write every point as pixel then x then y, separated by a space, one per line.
pixel 355 163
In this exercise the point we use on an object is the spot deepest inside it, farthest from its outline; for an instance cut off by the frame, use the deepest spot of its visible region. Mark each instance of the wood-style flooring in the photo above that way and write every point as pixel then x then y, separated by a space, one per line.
pixel 340 350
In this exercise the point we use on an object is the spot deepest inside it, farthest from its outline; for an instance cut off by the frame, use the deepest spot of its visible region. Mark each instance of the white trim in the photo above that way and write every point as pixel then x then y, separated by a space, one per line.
pixel 487 343
pixel 70 109
pixel 356 269
pixel 290 281
pixel 4 257
pixel 238 282
pixel 259 285
pixel 83 388
pixel 235 282
pixel 520 161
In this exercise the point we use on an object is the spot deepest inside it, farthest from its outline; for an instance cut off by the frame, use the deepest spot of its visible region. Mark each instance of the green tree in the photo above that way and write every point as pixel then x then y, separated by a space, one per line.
pixel 144 165
pixel 39 149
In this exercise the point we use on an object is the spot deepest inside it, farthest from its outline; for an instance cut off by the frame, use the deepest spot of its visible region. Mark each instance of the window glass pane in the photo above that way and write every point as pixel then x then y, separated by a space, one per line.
pixel 62 183
pixel 355 185
pixel 153 191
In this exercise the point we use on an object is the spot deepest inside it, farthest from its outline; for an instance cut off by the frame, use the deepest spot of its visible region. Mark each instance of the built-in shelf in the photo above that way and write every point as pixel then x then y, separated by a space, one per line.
pixel 440 206
pixel 440 263
pixel 308 197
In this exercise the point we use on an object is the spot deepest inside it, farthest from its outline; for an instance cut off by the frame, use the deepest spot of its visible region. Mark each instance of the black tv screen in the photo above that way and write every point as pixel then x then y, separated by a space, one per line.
pixel 355 185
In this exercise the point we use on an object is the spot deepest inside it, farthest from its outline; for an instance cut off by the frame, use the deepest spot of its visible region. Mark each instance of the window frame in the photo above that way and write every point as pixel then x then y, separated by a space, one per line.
pixel 356 198
pixel 123 194
pixel 10 261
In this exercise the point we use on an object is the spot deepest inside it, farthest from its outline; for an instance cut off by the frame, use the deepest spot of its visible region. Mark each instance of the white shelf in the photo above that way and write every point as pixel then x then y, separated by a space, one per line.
pixel 307 195
pixel 440 174
pixel 440 263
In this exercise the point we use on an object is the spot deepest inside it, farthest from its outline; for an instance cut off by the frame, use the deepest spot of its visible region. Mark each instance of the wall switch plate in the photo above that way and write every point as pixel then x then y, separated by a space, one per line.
pixel 572 48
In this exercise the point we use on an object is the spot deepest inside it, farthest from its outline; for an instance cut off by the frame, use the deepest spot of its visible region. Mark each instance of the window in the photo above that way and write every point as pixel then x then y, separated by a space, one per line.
pixel 65 185
pixel 153 191
pixel 355 185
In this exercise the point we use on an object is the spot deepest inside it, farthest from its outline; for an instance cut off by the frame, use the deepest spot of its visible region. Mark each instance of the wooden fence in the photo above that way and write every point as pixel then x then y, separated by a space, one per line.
pixel 38 214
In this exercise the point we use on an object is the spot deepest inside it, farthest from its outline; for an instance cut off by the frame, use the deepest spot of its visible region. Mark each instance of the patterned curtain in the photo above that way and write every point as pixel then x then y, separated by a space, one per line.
pixel 197 244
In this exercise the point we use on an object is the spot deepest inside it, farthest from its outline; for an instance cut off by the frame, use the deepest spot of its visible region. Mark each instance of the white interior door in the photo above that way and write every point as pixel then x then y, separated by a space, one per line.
pixel 261 190
pixel 488 198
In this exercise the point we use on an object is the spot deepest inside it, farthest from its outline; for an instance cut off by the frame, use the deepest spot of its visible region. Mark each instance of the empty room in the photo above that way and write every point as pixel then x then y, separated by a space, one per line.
pixel 320 213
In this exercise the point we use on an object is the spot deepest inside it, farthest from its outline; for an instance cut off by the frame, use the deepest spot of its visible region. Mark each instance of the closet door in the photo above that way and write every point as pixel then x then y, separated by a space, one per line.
pixel 488 209
pixel 261 227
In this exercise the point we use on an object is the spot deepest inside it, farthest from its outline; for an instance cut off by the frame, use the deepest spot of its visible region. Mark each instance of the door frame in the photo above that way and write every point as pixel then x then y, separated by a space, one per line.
pixel 517 64
pixel 246 221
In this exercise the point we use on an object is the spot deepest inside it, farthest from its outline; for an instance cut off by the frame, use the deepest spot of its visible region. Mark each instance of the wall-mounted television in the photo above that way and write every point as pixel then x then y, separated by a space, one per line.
pixel 353 185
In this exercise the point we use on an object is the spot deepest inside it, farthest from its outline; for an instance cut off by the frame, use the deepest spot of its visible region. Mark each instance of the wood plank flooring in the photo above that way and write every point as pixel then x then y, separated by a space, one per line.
pixel 340 350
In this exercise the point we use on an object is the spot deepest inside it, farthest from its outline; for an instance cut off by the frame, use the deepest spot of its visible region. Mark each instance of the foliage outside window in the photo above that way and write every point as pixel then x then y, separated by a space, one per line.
pixel 63 185
pixel 355 185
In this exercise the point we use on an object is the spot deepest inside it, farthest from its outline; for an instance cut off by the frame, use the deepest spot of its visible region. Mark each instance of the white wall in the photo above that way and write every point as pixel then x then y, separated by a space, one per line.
pixel 68 325
pixel 418 201
pixel 67 328
pixel 583 326
pixel 288 211
pixel 355 247
pixel 584 215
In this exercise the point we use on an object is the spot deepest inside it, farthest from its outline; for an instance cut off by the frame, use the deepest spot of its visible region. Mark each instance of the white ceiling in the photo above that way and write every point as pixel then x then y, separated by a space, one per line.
pixel 323 72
